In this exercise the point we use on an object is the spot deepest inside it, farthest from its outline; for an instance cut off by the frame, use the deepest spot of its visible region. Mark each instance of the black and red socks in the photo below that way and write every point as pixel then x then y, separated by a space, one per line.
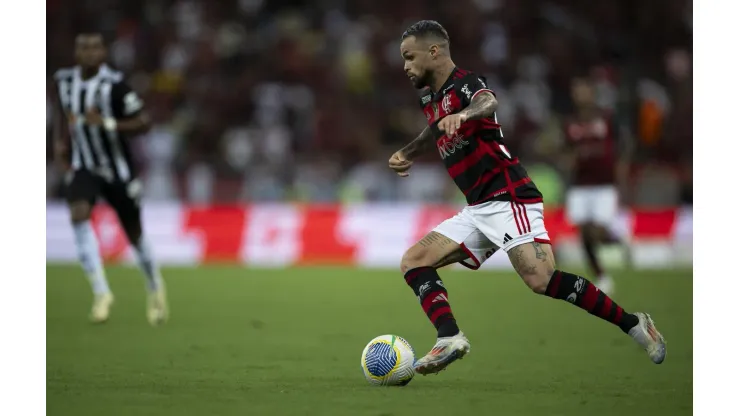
pixel 429 289
pixel 582 293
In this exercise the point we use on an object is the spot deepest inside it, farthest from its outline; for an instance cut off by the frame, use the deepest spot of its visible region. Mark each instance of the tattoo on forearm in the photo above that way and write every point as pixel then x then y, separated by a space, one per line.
pixel 483 105
pixel 419 145
pixel 435 238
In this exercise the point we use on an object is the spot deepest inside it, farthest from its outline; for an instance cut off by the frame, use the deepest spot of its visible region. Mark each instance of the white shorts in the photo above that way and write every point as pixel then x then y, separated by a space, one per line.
pixel 597 204
pixel 482 229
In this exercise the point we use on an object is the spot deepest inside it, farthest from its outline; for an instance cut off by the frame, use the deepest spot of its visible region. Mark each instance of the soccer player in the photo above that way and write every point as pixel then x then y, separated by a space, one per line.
pixel 504 209
pixel 597 161
pixel 96 113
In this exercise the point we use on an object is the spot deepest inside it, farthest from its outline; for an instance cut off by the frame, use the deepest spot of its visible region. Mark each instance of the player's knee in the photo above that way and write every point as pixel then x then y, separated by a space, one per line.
pixel 588 231
pixel 80 211
pixel 538 280
pixel 537 284
pixel 133 231
pixel 413 258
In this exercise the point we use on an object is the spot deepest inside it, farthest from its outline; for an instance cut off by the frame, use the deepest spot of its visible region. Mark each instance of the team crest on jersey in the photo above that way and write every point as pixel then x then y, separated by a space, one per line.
pixel 447 104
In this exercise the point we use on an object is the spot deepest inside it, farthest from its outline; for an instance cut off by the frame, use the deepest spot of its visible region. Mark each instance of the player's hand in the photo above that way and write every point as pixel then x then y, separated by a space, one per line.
pixel 400 164
pixel 451 123
pixel 93 118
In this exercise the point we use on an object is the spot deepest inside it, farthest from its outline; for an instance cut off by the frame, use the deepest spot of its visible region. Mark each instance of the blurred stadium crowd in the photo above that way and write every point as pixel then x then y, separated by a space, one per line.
pixel 272 100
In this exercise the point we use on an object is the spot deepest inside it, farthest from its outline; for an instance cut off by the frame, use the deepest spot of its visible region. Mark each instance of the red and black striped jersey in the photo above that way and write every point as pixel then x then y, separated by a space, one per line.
pixel 594 142
pixel 476 157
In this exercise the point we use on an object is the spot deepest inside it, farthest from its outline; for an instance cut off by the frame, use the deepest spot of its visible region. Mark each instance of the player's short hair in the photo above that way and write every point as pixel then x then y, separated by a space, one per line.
pixel 426 28
pixel 93 32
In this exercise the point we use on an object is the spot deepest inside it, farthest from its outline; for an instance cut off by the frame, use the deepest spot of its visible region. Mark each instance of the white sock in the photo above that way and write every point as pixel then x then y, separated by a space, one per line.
pixel 147 264
pixel 89 255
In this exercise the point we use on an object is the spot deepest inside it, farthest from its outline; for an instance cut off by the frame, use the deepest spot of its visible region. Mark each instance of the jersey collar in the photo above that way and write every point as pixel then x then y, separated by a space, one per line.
pixel 446 86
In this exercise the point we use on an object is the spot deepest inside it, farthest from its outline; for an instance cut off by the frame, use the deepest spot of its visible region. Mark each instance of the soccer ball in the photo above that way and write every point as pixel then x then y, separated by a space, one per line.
pixel 388 360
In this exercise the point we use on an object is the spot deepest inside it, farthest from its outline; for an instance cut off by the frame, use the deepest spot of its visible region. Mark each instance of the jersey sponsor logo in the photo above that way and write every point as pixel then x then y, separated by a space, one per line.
pixel 447 146
pixel 426 99
pixel 466 91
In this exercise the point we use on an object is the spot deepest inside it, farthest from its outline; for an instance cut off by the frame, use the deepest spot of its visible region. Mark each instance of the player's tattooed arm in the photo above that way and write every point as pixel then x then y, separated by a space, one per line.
pixel 483 105
pixel 402 160
pixel 424 142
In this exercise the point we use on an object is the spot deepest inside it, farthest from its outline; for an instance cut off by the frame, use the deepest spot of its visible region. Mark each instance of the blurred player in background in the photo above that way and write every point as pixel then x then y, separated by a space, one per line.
pixel 505 208
pixel 597 158
pixel 95 115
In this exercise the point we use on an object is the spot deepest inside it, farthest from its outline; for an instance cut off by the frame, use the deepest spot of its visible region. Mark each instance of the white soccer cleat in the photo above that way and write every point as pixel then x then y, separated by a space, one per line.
pixel 605 284
pixel 445 351
pixel 157 310
pixel 101 308
pixel 649 338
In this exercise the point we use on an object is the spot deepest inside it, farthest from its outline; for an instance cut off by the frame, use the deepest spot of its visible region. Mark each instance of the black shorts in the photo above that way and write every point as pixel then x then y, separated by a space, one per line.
pixel 123 197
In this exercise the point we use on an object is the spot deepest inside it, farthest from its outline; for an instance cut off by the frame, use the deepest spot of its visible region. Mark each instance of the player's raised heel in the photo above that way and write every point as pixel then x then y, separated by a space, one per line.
pixel 157 311
pixel 649 338
pixel 101 308
pixel 445 352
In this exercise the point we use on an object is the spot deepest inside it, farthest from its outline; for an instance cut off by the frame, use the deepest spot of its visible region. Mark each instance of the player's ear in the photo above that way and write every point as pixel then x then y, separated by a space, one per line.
pixel 434 50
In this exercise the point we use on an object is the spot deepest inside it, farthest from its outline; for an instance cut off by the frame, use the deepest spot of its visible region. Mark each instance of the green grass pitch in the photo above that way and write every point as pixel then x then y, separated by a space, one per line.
pixel 244 341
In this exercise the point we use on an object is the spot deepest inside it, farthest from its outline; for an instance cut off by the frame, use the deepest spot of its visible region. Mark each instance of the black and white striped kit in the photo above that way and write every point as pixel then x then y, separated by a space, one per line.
pixel 96 148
